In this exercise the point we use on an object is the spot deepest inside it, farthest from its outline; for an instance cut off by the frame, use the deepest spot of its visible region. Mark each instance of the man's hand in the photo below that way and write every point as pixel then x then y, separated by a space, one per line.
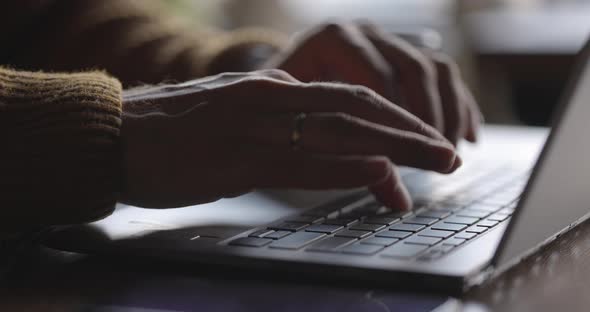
pixel 427 84
pixel 224 135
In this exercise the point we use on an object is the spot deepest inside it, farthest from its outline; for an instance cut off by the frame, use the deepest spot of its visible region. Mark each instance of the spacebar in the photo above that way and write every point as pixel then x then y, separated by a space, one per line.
pixel 296 240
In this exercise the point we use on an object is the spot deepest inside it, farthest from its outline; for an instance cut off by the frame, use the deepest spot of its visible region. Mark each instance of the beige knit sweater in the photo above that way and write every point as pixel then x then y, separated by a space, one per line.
pixel 59 132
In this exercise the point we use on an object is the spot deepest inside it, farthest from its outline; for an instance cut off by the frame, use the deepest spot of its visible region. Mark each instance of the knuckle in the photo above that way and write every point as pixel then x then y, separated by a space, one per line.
pixel 275 73
pixel 367 25
pixel 169 88
pixel 363 93
pixel 342 122
pixel 332 28
pixel 367 96
pixel 340 118
pixel 420 127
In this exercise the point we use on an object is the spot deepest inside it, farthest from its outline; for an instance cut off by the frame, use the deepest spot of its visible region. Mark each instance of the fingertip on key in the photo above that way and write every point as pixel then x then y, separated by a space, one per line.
pixel 456 164
pixel 442 157
pixel 392 194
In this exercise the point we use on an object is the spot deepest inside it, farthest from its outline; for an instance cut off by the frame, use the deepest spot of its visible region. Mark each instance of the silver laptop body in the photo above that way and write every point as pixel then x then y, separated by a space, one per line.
pixel 465 226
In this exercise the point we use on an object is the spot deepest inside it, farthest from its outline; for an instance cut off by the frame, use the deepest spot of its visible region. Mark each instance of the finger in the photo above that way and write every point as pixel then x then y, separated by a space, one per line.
pixel 344 54
pixel 415 74
pixel 277 97
pixel 455 110
pixel 344 135
pixel 392 193
pixel 475 116
pixel 297 170
pixel 348 135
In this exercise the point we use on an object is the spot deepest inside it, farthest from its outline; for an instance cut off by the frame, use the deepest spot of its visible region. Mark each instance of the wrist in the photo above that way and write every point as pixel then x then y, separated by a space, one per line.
pixel 135 107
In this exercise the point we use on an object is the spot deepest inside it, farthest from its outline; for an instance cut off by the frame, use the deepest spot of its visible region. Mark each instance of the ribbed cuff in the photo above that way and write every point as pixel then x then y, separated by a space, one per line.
pixel 61 161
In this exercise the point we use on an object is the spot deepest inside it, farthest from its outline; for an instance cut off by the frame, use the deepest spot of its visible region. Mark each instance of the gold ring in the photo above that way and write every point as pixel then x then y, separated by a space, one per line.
pixel 297 129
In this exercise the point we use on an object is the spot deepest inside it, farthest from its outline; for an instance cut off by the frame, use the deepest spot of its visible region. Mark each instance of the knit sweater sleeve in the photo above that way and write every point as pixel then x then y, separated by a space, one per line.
pixel 131 39
pixel 60 159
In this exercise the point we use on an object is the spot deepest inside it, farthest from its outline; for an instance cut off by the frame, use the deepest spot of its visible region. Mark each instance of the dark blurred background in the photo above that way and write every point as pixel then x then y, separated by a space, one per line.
pixel 515 54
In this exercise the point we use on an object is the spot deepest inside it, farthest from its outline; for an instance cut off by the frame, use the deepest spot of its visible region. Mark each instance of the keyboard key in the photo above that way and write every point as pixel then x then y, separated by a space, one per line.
pixel 498 217
pixel 461 220
pixel 487 223
pixel 465 235
pixel 342 222
pixel 448 226
pixel 260 233
pixel 435 233
pixel 476 229
pixel 330 244
pixel 361 249
pixel 383 241
pixel 353 233
pixel 422 240
pixel 288 226
pixel 323 228
pixel 296 240
pixel 434 214
pixel 277 234
pixel 473 213
pixel 453 241
pixel 305 219
pixel 393 234
pixel 381 220
pixel 250 241
pixel 407 227
pixel 420 220
pixel 367 227
pixel 403 251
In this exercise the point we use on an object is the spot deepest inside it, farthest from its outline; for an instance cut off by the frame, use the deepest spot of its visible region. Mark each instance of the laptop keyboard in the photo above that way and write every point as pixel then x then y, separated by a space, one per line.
pixel 449 213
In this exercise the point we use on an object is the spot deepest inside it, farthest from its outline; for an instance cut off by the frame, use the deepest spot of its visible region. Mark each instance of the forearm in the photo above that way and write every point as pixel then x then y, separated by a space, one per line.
pixel 129 39
pixel 61 157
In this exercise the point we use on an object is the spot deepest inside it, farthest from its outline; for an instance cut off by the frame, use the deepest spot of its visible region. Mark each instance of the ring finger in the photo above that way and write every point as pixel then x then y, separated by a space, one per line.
pixel 344 135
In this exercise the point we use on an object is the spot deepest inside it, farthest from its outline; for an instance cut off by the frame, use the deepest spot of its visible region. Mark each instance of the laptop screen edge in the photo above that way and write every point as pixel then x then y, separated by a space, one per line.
pixel 500 261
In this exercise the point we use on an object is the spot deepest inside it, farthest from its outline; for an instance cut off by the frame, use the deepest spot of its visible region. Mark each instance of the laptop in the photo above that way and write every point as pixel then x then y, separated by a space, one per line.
pixel 517 191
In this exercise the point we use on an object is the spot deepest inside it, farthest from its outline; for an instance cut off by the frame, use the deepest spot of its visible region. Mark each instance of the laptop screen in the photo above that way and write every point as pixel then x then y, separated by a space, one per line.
pixel 558 193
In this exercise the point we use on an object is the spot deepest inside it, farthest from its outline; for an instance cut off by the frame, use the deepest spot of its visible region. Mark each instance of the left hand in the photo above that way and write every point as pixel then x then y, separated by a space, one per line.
pixel 429 85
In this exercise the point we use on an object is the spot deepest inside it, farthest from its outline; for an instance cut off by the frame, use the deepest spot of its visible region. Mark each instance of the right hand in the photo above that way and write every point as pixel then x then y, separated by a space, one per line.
pixel 225 135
